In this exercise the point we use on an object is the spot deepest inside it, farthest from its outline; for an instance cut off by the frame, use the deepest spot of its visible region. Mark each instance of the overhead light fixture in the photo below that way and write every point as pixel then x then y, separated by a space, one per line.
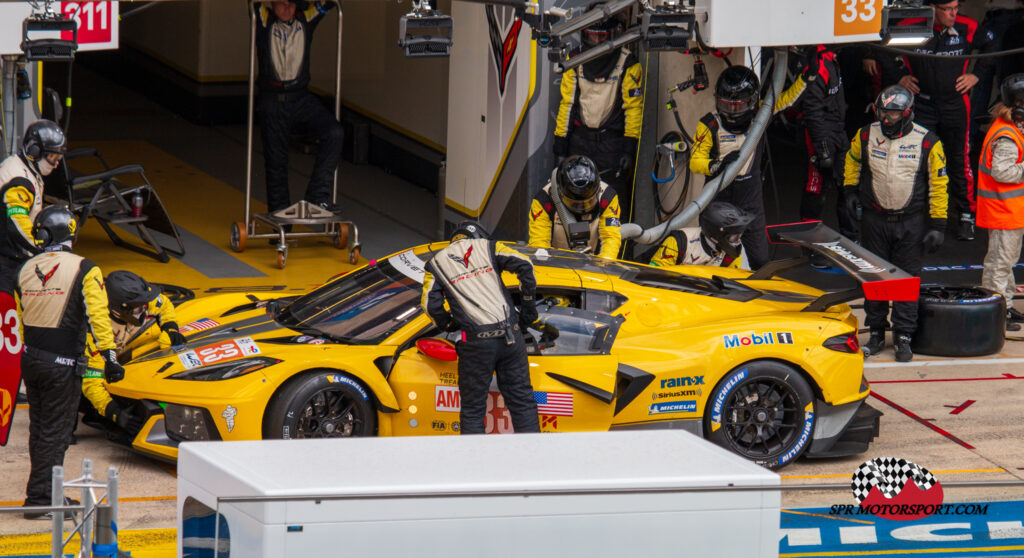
pixel 906 23
pixel 48 48
pixel 425 31
pixel 667 27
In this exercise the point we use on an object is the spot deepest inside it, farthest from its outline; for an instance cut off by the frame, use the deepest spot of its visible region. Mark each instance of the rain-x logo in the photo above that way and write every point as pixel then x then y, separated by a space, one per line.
pixel 899 490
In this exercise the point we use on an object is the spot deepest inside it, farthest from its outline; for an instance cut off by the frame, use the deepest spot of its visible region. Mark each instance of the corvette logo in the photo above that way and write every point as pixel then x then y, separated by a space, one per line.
pixel 44 278
pixel 537 215
pixel 464 260
pixel 503 48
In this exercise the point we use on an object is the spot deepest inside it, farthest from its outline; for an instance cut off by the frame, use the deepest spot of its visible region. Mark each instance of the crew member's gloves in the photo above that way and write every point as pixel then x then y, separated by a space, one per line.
pixel 812 66
pixel 626 159
pixel 933 239
pixel 528 311
pixel 112 371
pixel 171 329
pixel 851 201
pixel 823 158
pixel 718 165
pixel 561 146
pixel 448 324
pixel 123 417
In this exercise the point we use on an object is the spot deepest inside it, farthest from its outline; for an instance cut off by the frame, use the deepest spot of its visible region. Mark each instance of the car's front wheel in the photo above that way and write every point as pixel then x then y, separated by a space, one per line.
pixel 323 404
pixel 764 411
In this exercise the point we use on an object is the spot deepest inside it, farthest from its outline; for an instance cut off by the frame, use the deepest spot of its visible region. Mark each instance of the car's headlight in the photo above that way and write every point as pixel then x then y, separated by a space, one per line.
pixel 225 371
pixel 184 423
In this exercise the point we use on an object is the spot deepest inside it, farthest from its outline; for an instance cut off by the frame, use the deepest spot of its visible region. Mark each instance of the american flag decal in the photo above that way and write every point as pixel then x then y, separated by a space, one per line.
pixel 553 403
pixel 199 325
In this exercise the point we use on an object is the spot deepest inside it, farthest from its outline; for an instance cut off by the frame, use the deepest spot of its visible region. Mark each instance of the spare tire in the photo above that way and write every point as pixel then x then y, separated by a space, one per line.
pixel 959 321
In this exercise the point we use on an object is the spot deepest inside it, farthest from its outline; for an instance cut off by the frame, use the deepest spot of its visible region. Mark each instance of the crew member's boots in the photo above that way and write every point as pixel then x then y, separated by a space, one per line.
pixel 876 343
pixel 966 230
pixel 902 345
pixel 1014 316
pixel 1012 324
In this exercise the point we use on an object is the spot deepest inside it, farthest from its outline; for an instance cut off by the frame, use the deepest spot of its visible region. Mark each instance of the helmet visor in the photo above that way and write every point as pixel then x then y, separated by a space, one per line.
pixel 54 158
pixel 593 37
pixel 132 315
pixel 892 116
pixel 732 239
pixel 736 107
pixel 580 207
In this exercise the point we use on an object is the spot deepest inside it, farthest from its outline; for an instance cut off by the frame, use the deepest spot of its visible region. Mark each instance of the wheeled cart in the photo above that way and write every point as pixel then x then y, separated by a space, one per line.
pixel 320 221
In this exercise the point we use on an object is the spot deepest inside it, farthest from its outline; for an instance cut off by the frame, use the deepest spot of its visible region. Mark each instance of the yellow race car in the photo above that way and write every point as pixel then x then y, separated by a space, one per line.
pixel 766 367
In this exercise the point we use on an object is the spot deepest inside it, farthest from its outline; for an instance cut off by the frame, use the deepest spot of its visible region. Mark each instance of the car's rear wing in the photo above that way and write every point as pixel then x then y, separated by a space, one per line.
pixel 879 279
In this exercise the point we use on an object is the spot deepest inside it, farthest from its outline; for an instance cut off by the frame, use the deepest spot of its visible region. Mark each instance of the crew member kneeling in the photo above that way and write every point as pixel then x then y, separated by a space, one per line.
pixel 576 210
pixel 717 242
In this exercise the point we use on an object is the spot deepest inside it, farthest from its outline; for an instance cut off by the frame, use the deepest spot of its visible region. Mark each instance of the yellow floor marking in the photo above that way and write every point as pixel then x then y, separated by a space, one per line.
pixel 142 543
pixel 120 500
pixel 909 551
pixel 206 207
pixel 950 472
pixel 826 516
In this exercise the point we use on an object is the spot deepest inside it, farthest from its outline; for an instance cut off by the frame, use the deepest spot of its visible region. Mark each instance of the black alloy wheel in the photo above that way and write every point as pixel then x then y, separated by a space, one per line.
pixel 763 411
pixel 321 405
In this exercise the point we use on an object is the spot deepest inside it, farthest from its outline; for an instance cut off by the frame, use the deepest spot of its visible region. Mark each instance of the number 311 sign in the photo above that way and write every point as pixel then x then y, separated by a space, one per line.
pixel 97 23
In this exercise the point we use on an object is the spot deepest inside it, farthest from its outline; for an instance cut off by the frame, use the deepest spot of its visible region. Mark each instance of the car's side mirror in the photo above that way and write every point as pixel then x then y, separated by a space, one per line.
pixel 437 348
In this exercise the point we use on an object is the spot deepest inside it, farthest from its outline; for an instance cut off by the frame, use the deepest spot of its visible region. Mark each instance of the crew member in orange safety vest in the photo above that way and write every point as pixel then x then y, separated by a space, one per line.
pixel 1001 194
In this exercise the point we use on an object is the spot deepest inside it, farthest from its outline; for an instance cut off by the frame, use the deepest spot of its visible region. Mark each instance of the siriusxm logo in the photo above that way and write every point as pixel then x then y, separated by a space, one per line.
pixel 765 338
pixel 684 381
pixel 672 407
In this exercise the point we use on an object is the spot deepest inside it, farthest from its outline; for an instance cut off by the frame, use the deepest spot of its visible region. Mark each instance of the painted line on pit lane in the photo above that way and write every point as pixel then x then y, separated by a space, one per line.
pixel 949 472
pixel 119 500
pixel 1005 376
pixel 950 362
pixel 911 414
pixel 826 516
pixel 943 551
pixel 145 543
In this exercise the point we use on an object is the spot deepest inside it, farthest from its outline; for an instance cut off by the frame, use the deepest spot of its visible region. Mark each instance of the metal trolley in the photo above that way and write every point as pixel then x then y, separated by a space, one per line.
pixel 323 222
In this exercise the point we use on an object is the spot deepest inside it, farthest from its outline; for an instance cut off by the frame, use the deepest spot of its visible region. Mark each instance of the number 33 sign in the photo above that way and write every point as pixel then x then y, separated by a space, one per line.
pixel 857 17
pixel 97 22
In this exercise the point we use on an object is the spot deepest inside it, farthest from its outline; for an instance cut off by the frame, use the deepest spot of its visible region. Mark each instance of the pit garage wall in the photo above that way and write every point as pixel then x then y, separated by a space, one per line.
pixel 202 49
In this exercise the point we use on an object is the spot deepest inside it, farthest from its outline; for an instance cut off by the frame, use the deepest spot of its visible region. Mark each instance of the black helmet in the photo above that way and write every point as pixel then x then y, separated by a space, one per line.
pixel 469 229
pixel 579 184
pixel 1012 92
pixel 53 225
pixel 736 95
pixel 723 224
pixel 894 109
pixel 43 137
pixel 127 295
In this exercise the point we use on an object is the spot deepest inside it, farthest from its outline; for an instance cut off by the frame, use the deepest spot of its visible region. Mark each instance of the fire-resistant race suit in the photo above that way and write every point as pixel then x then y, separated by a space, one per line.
pixel 1001 205
pixel 548 231
pixel 160 312
pixel 941 109
pixel 902 189
pixel 822 113
pixel 21 189
pixel 286 105
pixel 694 250
pixel 467 274
pixel 600 115
pixel 62 299
pixel 713 143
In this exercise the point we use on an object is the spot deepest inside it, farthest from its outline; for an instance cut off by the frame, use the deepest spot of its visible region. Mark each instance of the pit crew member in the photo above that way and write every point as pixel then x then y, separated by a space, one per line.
pixel 715 243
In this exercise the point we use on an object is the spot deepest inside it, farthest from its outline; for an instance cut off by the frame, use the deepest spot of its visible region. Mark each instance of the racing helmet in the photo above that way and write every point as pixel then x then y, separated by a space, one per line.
pixel 43 145
pixel 894 109
pixel 54 225
pixel 1012 93
pixel 737 93
pixel 579 184
pixel 723 225
pixel 469 229
pixel 127 296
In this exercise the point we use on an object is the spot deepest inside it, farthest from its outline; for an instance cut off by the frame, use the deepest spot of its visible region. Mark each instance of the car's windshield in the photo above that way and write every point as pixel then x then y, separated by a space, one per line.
pixel 363 307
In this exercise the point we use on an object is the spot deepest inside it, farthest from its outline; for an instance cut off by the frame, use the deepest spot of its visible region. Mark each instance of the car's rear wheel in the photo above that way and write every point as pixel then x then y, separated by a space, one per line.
pixel 764 411
pixel 321 404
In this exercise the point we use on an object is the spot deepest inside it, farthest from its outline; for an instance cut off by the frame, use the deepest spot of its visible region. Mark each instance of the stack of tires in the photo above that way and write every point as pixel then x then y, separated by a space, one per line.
pixel 959 321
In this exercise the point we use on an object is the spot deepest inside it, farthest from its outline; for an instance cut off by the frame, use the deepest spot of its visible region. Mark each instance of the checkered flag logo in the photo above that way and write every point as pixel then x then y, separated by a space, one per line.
pixel 890 475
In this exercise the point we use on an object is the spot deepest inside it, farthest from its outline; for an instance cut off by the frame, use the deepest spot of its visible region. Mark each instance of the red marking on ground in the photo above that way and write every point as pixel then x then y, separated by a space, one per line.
pixel 957 410
pixel 925 422
pixel 1005 376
